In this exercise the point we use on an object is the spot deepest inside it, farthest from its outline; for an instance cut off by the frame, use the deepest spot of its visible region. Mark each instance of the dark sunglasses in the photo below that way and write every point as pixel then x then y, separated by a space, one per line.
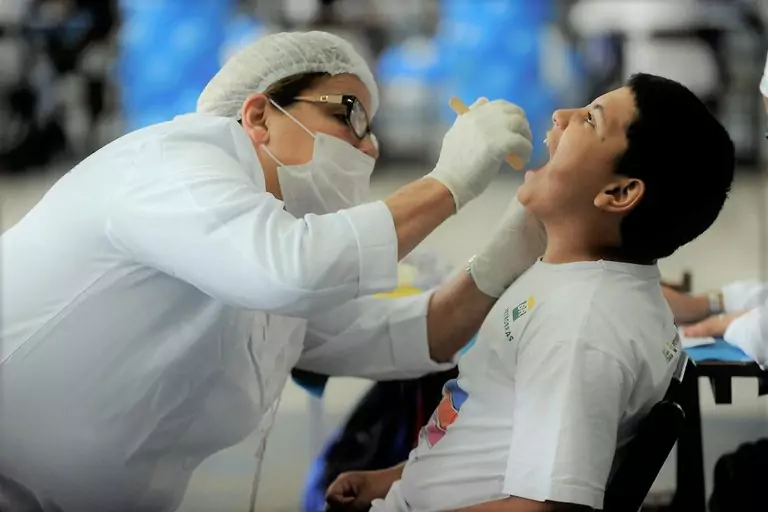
pixel 355 115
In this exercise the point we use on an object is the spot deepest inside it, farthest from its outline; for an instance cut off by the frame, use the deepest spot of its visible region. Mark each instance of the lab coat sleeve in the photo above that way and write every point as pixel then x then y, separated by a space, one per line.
pixel 750 333
pixel 764 81
pixel 372 337
pixel 746 294
pixel 204 221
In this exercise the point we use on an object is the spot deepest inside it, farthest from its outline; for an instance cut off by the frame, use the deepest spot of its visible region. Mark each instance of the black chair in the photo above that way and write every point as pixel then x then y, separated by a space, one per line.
pixel 646 453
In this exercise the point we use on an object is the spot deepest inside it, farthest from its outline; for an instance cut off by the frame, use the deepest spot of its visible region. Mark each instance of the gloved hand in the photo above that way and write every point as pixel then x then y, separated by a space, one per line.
pixel 476 146
pixel 517 242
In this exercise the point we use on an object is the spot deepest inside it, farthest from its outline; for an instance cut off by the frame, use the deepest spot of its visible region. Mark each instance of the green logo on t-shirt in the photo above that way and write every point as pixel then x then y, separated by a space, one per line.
pixel 523 308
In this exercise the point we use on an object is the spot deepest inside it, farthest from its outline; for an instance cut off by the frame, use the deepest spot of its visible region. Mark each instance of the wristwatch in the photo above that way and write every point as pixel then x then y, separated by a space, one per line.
pixel 468 269
pixel 715 299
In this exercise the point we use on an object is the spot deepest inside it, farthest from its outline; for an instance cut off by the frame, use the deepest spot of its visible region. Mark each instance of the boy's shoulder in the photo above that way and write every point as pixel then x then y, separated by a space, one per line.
pixel 602 307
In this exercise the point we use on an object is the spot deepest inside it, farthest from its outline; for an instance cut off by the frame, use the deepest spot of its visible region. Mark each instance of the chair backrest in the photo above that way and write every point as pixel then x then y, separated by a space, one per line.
pixel 645 454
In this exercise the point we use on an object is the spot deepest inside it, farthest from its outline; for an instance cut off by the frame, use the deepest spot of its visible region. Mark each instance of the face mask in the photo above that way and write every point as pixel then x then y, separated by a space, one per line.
pixel 337 177
pixel 764 84
pixel 764 81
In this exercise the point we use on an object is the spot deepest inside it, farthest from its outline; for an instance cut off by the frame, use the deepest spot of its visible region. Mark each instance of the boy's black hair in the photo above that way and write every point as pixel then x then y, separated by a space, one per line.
pixel 686 159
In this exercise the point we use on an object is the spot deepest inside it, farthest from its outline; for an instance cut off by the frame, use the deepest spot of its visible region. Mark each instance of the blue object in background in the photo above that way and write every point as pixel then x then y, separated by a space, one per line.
pixel 721 350
pixel 410 76
pixel 493 49
pixel 418 60
pixel 169 50
pixel 241 31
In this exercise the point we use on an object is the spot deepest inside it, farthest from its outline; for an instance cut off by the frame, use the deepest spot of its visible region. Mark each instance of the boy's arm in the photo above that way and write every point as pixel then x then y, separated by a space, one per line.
pixel 356 490
pixel 513 504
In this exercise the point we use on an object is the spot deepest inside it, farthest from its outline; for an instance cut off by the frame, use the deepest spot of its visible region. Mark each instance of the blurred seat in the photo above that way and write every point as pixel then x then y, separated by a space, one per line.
pixel 594 17
pixel 686 60
pixel 644 456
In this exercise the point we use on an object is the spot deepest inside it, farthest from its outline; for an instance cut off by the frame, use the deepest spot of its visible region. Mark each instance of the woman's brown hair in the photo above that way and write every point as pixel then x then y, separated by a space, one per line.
pixel 284 92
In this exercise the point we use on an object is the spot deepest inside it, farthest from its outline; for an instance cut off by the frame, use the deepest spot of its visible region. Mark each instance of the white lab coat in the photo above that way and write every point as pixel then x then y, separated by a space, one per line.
pixel 750 331
pixel 154 303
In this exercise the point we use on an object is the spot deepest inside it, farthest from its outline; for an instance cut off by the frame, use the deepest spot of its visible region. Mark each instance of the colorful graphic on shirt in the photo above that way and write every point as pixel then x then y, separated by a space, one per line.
pixel 523 308
pixel 446 413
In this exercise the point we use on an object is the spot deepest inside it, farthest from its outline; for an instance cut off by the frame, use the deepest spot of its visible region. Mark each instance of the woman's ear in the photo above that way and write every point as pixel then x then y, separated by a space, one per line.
pixel 254 119
pixel 621 196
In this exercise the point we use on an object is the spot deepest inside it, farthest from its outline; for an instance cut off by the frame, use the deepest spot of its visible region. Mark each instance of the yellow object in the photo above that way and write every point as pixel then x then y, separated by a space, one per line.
pixel 400 291
pixel 406 275
pixel 461 108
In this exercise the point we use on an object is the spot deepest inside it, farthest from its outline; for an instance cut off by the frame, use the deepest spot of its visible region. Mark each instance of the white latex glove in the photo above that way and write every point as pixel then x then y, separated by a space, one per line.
pixel 476 146
pixel 517 242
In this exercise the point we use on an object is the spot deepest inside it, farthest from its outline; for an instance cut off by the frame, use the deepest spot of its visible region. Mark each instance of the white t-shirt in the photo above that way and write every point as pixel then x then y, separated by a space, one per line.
pixel 571 357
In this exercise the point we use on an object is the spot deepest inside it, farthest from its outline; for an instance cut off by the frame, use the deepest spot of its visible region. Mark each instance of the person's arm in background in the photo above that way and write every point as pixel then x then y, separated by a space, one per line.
pixel 732 302
pixel 687 308
pixel 734 298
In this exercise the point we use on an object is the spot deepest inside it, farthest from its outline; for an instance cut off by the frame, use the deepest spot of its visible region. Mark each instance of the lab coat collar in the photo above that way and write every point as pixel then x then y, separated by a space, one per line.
pixel 246 153
pixel 241 145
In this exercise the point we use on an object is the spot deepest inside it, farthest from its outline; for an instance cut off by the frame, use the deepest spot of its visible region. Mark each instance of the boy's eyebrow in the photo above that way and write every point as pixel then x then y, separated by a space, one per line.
pixel 603 129
pixel 599 108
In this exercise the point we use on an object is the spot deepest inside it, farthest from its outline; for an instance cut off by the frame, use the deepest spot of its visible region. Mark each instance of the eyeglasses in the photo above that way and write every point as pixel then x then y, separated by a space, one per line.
pixel 355 115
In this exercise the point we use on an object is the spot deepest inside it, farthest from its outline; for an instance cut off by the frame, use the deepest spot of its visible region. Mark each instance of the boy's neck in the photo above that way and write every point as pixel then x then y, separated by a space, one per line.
pixel 570 243
pixel 561 251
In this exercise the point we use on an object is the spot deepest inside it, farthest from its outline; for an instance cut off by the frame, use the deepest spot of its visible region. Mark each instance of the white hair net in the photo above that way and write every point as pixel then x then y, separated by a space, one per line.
pixel 278 56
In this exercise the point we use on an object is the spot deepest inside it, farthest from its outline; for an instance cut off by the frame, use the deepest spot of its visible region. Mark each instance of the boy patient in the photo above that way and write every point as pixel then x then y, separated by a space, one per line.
pixel 579 349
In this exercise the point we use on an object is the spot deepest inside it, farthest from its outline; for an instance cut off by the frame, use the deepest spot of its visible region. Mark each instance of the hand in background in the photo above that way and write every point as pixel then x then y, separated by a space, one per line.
pixel 714 326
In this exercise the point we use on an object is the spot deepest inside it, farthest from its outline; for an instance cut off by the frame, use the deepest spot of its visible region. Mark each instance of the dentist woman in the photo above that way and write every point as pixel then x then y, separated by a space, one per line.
pixel 156 299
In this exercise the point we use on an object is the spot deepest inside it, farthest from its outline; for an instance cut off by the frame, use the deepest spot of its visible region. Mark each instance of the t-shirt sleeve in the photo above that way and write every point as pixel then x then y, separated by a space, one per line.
pixel 570 398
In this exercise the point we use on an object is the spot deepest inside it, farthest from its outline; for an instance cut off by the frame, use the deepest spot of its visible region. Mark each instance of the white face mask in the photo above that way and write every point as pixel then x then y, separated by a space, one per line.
pixel 764 82
pixel 337 177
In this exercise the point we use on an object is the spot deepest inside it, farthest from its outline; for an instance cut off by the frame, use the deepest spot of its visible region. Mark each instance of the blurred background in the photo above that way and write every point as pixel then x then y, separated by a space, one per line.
pixel 76 74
